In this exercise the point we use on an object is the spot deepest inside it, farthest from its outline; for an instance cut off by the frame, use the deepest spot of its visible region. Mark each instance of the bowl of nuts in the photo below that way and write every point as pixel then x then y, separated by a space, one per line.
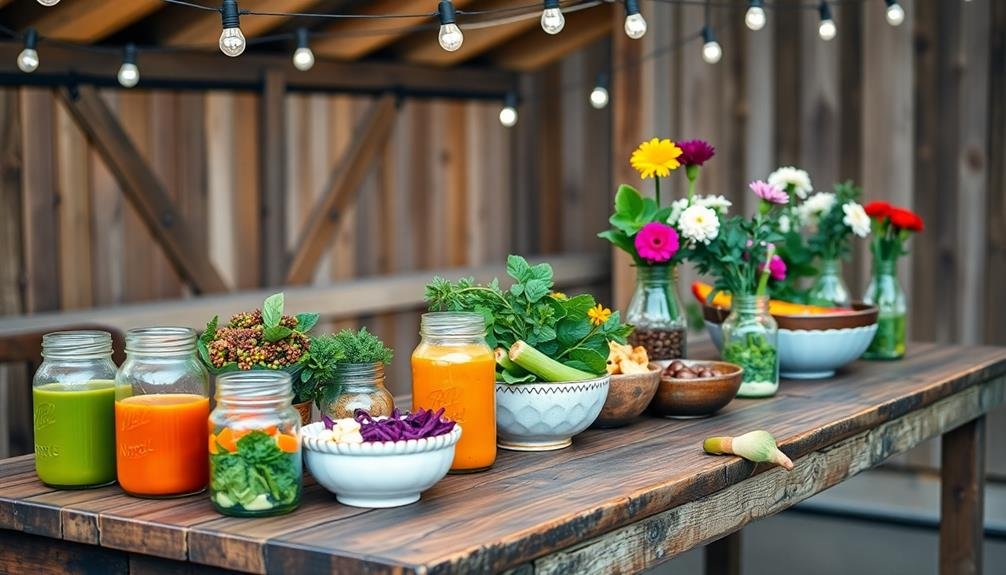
pixel 692 388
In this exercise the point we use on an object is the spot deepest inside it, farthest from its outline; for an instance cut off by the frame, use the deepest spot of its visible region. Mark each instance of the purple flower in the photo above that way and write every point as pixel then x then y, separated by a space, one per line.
pixel 777 268
pixel 768 192
pixel 695 152
pixel 657 242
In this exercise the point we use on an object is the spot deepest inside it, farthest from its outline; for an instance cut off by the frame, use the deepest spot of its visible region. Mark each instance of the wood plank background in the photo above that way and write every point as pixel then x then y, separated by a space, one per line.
pixel 914 113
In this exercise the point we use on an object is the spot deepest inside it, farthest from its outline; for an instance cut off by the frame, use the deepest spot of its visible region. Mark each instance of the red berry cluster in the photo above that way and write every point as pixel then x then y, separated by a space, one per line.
pixel 241 342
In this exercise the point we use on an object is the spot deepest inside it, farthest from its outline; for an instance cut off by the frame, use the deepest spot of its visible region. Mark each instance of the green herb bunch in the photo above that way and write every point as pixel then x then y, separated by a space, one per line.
pixel 737 256
pixel 529 311
pixel 256 468
pixel 829 238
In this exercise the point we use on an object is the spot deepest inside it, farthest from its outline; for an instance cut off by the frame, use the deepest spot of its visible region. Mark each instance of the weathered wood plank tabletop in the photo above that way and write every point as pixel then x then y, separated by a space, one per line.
pixel 624 499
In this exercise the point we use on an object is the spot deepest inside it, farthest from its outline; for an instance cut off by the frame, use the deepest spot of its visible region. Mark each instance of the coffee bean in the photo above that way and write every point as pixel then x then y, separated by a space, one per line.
pixel 660 344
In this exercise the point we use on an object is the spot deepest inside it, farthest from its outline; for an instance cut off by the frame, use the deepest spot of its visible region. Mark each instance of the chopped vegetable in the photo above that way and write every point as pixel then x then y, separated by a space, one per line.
pixel 627 360
pixel 261 472
pixel 722 300
pixel 543 366
pixel 758 446
pixel 419 424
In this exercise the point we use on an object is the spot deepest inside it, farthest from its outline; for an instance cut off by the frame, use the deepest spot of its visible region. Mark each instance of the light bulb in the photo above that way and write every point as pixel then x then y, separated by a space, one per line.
pixel 303 59
pixel 712 52
pixel 599 97
pixel 508 116
pixel 27 60
pixel 552 20
pixel 827 30
pixel 232 42
pixel 129 75
pixel 755 18
pixel 635 26
pixel 895 13
pixel 451 37
pixel 48 2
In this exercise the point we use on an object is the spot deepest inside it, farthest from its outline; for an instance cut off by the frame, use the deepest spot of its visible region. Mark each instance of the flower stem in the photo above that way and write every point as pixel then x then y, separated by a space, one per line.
pixel 656 182
pixel 765 271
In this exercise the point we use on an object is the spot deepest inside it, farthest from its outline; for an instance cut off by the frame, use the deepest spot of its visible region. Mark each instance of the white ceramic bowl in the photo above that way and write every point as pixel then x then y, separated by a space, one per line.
pixel 813 354
pixel 546 416
pixel 378 474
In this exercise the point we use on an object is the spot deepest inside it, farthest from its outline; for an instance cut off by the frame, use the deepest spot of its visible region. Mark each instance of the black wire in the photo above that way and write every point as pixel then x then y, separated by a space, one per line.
pixel 191 5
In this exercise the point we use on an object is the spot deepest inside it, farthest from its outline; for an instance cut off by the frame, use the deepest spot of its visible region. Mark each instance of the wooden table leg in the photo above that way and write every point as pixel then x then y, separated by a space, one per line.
pixel 723 556
pixel 962 499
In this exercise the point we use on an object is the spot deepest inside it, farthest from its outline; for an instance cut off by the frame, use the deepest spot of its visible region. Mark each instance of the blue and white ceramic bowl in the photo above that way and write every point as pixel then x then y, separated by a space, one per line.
pixel 546 416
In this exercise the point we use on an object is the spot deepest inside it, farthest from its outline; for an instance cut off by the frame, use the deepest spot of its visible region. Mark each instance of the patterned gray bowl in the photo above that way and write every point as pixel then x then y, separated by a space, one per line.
pixel 546 416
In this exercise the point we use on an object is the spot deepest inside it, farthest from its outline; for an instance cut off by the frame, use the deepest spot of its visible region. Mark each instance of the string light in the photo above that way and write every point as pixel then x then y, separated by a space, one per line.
pixel 827 29
pixel 232 41
pixel 895 13
pixel 754 18
pixel 635 25
pixel 129 72
pixel 48 3
pixel 599 95
pixel 450 35
pixel 27 60
pixel 711 49
pixel 552 20
pixel 508 114
pixel 303 57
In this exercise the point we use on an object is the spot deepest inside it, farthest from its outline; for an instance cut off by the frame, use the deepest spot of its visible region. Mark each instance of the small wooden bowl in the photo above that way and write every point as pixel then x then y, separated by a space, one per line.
pixel 697 397
pixel 628 396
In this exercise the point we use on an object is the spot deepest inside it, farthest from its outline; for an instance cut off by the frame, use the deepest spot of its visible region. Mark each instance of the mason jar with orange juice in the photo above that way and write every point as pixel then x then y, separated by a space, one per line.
pixel 453 367
pixel 161 408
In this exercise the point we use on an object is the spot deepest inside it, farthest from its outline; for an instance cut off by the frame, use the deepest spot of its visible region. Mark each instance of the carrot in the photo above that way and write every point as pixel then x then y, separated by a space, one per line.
pixel 226 439
pixel 271 430
pixel 287 443
pixel 214 449
pixel 723 300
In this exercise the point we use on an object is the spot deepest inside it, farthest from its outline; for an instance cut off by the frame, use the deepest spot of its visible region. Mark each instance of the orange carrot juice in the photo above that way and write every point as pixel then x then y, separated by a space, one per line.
pixel 460 378
pixel 161 444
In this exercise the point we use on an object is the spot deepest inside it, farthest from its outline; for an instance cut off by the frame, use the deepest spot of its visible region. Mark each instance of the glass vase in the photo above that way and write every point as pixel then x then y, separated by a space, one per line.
pixel 829 288
pixel 885 292
pixel 356 386
pixel 657 314
pixel 750 340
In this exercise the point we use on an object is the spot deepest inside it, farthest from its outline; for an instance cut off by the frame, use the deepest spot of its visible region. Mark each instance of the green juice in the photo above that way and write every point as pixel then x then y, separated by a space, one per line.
pixel 75 433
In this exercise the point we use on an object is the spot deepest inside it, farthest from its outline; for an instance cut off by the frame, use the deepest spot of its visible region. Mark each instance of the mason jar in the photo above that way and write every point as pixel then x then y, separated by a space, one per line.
pixel 161 407
pixel 454 368
pixel 750 340
pixel 656 313
pixel 73 402
pixel 356 386
pixel 255 434
pixel 829 288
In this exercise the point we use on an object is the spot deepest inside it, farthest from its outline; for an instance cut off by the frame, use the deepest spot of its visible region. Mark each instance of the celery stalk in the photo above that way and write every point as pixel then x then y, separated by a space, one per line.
pixel 543 366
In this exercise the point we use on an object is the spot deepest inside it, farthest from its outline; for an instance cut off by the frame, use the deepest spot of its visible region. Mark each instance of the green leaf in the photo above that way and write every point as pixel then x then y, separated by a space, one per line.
pixel 517 267
pixel 576 364
pixel 628 202
pixel 204 352
pixel 276 333
pixel 211 330
pixel 536 289
pixel 595 362
pixel 570 332
pixel 578 306
pixel 306 321
pixel 511 378
pixel 272 310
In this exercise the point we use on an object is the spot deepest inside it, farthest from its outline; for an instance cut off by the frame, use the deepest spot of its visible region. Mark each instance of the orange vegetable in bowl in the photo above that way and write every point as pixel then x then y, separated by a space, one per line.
pixel 722 300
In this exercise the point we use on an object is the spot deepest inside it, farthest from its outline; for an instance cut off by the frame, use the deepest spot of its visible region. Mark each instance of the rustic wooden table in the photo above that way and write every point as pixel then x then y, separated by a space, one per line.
pixel 624 499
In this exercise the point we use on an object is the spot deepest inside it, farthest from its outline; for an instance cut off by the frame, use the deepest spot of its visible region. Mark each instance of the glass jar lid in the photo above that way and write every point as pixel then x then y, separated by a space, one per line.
pixel 255 387
pixel 452 323
pixel 161 341
pixel 80 344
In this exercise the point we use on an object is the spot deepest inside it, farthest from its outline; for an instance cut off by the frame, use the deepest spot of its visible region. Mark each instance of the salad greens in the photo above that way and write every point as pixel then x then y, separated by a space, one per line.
pixel 258 475
pixel 557 326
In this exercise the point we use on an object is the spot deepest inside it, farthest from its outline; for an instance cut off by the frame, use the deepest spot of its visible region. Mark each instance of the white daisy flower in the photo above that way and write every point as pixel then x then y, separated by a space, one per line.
pixel 792 179
pixel 815 205
pixel 677 206
pixel 718 203
pixel 699 223
pixel 857 219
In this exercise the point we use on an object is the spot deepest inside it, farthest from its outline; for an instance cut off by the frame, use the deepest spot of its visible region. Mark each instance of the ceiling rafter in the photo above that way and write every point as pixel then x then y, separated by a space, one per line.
pixel 203 28
pixel 91 20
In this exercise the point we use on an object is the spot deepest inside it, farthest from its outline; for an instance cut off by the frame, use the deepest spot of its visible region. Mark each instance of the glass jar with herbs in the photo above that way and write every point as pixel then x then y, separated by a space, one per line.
pixel 73 399
pixel 254 444
pixel 348 368
pixel 750 340
pixel 161 406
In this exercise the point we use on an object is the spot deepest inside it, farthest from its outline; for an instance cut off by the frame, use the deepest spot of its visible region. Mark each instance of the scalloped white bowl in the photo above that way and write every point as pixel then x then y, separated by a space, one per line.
pixel 813 354
pixel 378 474
pixel 546 416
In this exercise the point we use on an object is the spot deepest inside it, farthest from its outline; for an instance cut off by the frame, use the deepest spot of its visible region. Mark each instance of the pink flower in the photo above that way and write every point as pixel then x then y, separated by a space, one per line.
pixel 695 152
pixel 768 192
pixel 777 268
pixel 657 242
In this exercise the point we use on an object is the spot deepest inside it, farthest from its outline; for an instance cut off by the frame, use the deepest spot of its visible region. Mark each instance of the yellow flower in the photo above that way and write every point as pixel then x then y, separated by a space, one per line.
pixel 598 314
pixel 558 295
pixel 656 157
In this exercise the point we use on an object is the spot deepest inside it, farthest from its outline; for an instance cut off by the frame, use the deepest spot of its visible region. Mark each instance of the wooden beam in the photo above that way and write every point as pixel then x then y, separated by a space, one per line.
pixel 273 165
pixel 341 190
pixel 203 28
pixel 208 70
pixel 353 39
pixel 535 48
pixel 962 501
pixel 143 189
pixel 92 20
pixel 422 48
pixel 339 300
pixel 39 201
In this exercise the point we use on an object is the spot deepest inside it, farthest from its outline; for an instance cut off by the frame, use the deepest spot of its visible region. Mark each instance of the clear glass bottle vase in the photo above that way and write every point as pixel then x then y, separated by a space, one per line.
pixel 885 292
pixel 829 288
pixel 356 386
pixel 750 340
pixel 655 311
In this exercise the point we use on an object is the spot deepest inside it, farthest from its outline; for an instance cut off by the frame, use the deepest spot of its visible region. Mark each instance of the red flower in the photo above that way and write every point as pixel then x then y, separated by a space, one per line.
pixel 878 210
pixel 906 219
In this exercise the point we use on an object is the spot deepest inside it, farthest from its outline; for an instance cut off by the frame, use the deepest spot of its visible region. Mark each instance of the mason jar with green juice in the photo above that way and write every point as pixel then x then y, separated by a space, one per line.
pixel 73 398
